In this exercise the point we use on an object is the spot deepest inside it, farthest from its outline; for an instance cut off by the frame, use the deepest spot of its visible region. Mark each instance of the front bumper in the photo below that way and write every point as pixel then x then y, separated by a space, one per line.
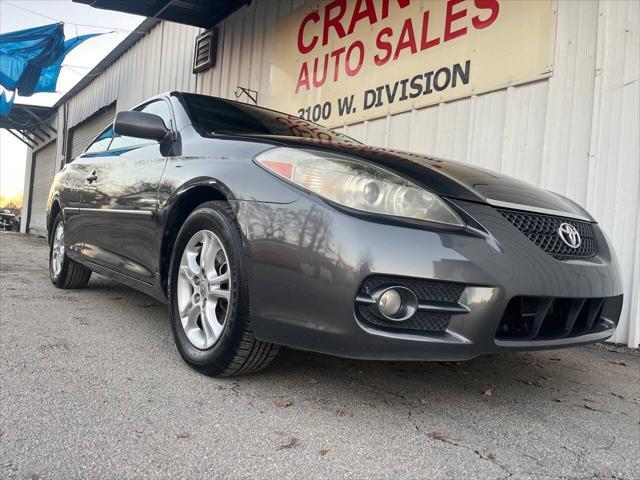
pixel 308 262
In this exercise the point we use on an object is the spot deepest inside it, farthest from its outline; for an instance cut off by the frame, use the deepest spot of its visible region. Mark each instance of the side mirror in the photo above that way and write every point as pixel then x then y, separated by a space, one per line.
pixel 140 125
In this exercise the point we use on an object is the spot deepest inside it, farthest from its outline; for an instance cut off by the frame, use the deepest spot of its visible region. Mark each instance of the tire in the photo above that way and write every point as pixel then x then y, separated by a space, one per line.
pixel 66 274
pixel 220 343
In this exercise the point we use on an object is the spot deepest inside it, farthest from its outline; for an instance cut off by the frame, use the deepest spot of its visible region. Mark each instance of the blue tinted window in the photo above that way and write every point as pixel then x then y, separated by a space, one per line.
pixel 101 143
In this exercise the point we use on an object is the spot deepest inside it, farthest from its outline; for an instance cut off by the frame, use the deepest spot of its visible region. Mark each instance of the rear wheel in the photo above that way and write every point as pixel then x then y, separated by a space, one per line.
pixel 64 272
pixel 209 296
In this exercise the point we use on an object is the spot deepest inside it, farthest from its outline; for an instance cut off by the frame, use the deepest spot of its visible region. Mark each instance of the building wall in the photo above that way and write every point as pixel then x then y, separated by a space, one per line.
pixel 576 133
pixel 55 123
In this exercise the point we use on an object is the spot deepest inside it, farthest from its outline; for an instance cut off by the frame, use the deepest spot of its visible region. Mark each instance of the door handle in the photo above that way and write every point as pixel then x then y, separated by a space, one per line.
pixel 92 178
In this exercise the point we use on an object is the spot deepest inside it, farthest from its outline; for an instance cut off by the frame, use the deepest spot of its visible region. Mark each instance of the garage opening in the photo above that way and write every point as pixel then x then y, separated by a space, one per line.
pixel 44 168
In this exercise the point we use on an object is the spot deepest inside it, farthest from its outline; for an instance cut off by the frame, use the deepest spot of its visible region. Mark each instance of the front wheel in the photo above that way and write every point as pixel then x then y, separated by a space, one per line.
pixel 64 272
pixel 209 296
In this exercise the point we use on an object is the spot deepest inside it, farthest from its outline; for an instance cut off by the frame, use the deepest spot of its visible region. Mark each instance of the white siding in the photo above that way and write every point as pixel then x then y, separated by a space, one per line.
pixel 244 53
pixel 160 61
pixel 163 60
pixel 613 191
pixel 576 133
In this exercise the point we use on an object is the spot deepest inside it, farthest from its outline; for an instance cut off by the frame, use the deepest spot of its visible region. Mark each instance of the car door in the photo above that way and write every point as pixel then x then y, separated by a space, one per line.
pixel 119 202
pixel 73 179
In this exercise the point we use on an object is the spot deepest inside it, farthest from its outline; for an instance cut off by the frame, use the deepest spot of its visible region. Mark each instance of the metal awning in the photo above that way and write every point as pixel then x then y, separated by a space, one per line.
pixel 198 13
pixel 31 124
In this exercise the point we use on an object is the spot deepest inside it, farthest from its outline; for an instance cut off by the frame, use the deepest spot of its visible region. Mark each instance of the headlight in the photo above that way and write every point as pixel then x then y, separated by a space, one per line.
pixel 356 184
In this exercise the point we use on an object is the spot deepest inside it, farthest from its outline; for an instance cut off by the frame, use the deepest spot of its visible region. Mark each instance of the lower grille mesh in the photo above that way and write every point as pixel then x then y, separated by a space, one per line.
pixel 547 318
pixel 425 290
pixel 426 321
pixel 543 231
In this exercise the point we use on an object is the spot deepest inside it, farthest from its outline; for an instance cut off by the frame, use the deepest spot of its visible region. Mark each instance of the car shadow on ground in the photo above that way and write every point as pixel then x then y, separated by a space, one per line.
pixel 535 375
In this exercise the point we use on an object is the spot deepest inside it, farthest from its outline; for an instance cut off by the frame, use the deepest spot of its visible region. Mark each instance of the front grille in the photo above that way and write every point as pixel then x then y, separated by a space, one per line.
pixel 425 290
pixel 547 318
pixel 543 231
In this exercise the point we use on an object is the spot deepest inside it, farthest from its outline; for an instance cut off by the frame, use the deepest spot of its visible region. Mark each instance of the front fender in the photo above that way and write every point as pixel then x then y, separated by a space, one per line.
pixel 226 166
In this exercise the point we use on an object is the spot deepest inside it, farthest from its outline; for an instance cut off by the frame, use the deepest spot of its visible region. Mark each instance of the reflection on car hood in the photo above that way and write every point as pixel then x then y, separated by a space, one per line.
pixel 450 178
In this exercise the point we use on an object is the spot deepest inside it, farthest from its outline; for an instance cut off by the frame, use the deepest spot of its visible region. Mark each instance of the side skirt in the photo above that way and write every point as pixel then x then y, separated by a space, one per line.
pixel 146 288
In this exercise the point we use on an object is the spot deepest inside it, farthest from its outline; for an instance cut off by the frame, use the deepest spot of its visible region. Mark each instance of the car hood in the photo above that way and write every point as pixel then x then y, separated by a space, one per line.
pixel 452 179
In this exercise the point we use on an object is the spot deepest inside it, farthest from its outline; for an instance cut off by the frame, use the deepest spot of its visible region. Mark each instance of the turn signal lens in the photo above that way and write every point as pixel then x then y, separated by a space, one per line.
pixel 356 184
pixel 284 169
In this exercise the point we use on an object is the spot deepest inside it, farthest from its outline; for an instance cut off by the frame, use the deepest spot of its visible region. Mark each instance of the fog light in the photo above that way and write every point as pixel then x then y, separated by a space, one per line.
pixel 396 303
pixel 390 303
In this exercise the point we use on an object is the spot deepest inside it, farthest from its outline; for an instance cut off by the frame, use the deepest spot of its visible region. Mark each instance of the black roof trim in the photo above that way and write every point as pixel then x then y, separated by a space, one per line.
pixel 197 13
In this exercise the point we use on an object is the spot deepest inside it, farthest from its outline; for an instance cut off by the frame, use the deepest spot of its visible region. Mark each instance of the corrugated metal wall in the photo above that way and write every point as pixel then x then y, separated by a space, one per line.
pixel 163 61
pixel 614 157
pixel 576 133
pixel 160 61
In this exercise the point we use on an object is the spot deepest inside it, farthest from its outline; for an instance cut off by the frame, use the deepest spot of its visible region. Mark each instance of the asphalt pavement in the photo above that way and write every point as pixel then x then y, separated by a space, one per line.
pixel 91 386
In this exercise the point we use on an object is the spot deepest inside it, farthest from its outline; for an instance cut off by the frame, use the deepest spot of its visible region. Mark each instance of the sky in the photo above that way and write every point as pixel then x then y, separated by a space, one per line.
pixel 79 20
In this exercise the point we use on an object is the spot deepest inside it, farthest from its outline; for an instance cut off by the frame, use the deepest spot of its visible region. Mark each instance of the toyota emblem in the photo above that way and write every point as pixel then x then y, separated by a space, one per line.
pixel 569 235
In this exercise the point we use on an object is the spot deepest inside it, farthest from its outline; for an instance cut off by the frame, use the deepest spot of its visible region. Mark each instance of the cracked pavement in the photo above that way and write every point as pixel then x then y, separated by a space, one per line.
pixel 91 386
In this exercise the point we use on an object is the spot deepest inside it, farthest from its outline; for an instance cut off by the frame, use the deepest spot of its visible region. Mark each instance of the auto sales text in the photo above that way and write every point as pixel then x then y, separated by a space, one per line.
pixel 339 18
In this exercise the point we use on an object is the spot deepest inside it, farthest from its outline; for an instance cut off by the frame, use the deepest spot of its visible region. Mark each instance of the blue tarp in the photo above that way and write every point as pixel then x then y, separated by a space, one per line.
pixel 6 104
pixel 24 53
pixel 30 59
pixel 49 75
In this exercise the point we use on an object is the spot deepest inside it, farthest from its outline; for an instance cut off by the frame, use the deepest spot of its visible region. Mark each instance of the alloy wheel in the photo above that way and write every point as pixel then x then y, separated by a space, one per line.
pixel 57 250
pixel 203 289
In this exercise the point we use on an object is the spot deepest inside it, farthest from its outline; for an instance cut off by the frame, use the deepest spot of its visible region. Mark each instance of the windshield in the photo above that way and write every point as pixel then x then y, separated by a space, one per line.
pixel 215 115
